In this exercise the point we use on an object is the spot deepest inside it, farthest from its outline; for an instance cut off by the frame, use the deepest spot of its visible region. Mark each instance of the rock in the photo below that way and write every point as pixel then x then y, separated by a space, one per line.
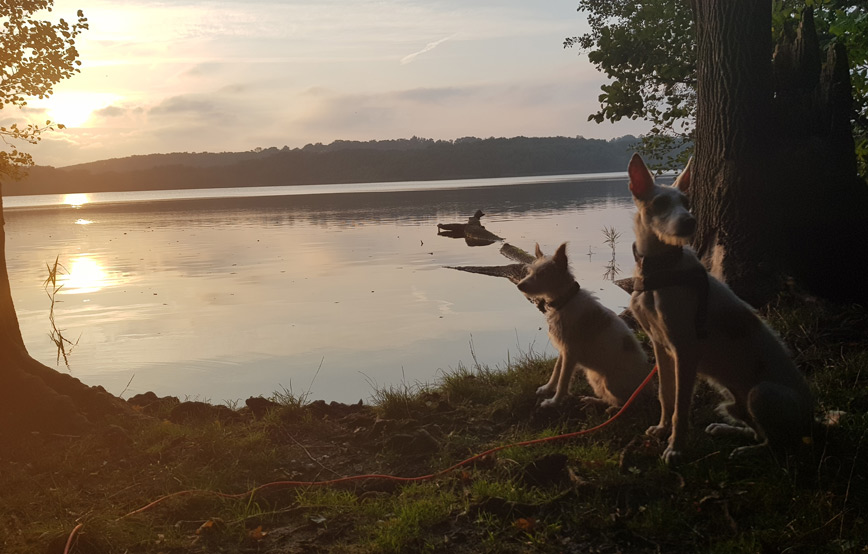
pixel 151 404
pixel 335 410
pixel 418 443
pixel 260 406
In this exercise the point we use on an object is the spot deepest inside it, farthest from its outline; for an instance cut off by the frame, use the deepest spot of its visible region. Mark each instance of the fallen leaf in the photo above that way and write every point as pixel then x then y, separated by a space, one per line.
pixel 525 524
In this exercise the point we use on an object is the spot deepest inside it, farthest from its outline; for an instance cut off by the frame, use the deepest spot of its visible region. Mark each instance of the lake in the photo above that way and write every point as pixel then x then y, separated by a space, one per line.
pixel 326 290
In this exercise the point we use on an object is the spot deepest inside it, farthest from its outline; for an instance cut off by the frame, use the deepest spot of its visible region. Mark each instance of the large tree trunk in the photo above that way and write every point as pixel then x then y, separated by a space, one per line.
pixel 34 397
pixel 775 187
pixel 736 234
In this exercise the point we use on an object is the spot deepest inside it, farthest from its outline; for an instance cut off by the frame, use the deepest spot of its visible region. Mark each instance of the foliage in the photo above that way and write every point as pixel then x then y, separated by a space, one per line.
pixel 647 49
pixel 35 55
pixel 339 162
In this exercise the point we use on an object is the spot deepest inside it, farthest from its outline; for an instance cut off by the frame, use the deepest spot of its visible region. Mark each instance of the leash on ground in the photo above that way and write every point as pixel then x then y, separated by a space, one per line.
pixel 428 477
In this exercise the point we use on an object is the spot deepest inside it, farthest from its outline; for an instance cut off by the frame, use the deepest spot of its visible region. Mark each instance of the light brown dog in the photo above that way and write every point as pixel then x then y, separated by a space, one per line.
pixel 698 326
pixel 586 334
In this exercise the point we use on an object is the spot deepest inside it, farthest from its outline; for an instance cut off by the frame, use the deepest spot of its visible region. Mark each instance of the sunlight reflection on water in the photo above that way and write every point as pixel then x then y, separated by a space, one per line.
pixel 85 274
pixel 230 297
pixel 75 200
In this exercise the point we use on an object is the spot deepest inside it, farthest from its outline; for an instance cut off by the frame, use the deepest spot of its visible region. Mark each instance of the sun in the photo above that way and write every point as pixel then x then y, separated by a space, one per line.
pixel 73 109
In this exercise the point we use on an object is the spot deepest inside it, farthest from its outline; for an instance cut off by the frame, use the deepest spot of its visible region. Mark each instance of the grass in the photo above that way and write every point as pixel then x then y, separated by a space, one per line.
pixel 606 492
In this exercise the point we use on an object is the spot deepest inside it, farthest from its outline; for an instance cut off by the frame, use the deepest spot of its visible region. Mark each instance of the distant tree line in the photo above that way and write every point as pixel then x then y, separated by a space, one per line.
pixel 414 159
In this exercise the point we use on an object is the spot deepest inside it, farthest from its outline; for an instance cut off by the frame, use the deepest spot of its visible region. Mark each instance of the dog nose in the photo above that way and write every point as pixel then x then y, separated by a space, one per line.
pixel 686 226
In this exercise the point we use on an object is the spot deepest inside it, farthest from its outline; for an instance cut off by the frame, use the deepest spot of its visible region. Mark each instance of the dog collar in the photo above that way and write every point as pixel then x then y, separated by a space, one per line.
pixel 652 264
pixel 559 303
pixel 658 272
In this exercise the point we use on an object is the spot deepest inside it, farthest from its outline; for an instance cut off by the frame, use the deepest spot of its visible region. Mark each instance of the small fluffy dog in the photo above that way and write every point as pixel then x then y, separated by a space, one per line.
pixel 698 326
pixel 586 334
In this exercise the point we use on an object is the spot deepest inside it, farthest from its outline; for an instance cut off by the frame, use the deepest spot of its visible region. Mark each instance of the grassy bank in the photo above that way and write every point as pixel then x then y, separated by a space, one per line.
pixel 607 492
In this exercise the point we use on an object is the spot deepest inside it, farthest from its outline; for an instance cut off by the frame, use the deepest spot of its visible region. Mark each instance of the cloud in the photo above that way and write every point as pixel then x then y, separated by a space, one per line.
pixel 434 95
pixel 428 47
pixel 111 111
pixel 184 104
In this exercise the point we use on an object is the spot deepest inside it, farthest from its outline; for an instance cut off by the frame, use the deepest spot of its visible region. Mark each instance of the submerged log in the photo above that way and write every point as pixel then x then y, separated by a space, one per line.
pixel 513 272
pixel 473 232
pixel 516 272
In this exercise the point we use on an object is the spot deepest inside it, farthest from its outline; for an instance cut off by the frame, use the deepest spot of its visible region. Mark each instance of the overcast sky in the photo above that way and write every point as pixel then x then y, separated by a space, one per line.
pixel 229 76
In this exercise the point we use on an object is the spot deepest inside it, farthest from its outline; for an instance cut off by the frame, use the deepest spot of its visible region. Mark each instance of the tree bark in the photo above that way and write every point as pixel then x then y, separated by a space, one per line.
pixel 775 187
pixel 736 234
pixel 34 397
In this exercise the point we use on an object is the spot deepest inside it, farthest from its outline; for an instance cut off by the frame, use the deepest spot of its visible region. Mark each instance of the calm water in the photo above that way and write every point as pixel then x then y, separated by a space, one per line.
pixel 225 294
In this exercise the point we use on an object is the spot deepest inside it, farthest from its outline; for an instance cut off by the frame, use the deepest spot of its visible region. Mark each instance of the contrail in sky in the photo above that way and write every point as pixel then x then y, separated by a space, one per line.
pixel 428 47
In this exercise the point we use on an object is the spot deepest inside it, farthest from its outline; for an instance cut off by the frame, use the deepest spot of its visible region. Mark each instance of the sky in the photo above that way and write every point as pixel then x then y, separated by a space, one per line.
pixel 217 76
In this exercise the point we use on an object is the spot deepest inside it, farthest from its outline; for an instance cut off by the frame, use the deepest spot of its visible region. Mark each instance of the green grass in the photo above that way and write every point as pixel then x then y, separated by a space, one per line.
pixel 613 493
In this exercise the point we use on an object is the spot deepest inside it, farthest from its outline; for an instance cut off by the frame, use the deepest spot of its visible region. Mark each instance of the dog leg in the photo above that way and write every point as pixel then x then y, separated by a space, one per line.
pixel 782 417
pixel 666 392
pixel 685 380
pixel 738 417
pixel 568 366
pixel 550 387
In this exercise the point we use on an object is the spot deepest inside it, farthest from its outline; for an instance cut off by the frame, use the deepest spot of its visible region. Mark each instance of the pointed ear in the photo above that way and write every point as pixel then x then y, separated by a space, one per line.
pixel 641 181
pixel 682 183
pixel 538 252
pixel 560 255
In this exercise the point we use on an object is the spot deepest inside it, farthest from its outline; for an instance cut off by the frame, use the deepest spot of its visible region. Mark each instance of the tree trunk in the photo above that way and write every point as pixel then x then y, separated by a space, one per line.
pixel 34 397
pixel 774 186
pixel 736 234
pixel 825 200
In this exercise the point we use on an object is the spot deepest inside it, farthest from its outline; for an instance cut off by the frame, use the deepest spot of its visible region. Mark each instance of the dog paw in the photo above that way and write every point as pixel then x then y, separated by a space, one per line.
pixel 671 456
pixel 657 431
pixel 727 430
pixel 747 451
pixel 717 429
pixel 553 402
pixel 545 390
pixel 593 403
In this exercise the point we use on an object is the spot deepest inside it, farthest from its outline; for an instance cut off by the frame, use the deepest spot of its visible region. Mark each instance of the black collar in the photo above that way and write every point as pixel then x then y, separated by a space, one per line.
pixel 659 272
pixel 660 262
pixel 559 303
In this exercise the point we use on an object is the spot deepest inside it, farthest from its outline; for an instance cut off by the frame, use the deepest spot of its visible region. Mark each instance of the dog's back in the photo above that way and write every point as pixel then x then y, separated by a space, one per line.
pixel 604 346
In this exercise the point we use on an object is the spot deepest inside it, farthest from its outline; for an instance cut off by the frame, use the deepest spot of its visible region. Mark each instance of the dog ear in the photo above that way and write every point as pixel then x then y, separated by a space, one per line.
pixel 682 183
pixel 560 255
pixel 641 181
pixel 538 252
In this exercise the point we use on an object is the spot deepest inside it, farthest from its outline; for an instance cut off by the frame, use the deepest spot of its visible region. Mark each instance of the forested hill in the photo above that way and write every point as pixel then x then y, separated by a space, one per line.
pixel 412 159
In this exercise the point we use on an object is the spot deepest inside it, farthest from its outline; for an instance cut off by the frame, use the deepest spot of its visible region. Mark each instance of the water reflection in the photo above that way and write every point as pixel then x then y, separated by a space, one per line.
pixel 75 200
pixel 84 275
pixel 233 297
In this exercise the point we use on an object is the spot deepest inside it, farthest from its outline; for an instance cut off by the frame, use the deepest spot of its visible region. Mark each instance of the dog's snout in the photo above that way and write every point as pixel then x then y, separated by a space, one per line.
pixel 686 226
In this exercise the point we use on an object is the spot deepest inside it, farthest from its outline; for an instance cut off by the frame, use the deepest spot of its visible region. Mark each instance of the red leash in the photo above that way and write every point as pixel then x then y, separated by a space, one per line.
pixel 69 541
pixel 404 479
